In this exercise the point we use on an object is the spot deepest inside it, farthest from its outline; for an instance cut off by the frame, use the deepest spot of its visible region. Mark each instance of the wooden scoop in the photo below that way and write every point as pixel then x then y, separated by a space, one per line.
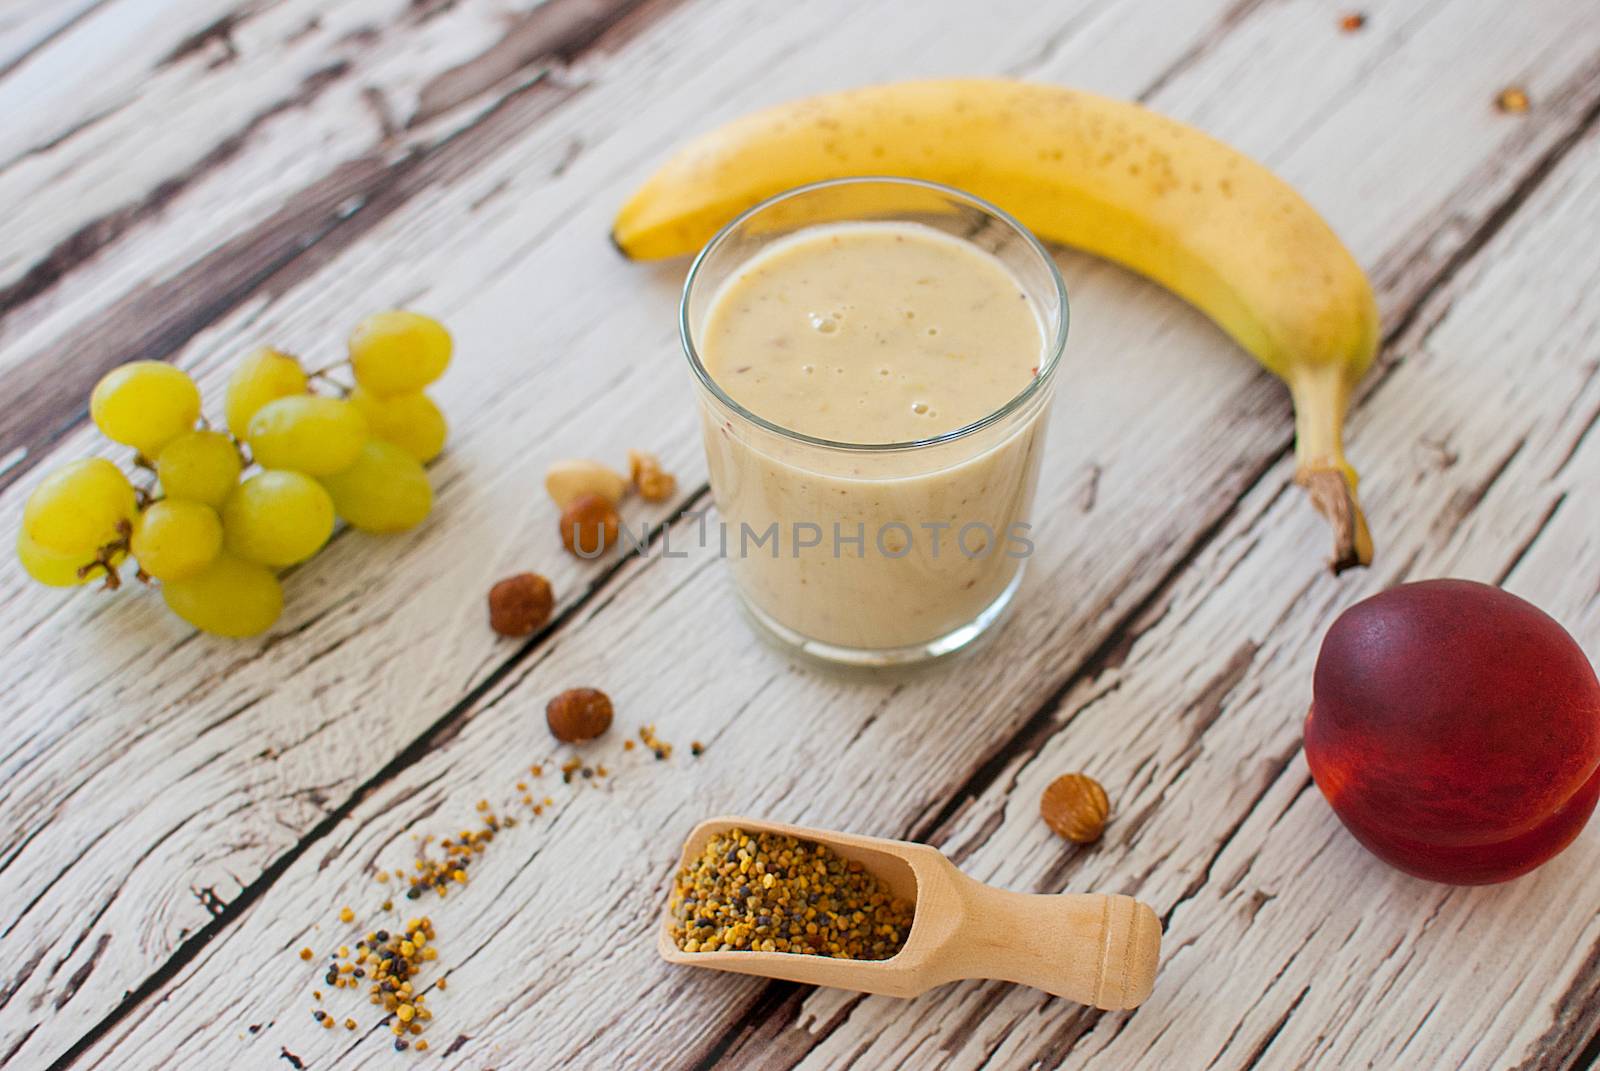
pixel 1098 950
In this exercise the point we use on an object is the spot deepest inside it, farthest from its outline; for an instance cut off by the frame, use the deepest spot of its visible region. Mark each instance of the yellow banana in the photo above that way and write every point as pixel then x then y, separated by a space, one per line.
pixel 1109 177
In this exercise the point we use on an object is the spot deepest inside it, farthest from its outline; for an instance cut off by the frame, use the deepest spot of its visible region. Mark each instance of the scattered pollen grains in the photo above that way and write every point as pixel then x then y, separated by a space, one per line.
pixel 385 963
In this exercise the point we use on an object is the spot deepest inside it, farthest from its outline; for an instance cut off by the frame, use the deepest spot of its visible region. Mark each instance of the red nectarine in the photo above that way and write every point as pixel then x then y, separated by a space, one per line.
pixel 1455 729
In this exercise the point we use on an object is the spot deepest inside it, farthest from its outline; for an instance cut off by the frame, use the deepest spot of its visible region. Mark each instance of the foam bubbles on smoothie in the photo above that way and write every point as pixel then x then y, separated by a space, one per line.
pixel 826 324
pixel 861 326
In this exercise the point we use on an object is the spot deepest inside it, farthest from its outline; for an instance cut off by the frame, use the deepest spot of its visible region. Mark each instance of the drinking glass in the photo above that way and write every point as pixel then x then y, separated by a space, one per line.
pixel 876 554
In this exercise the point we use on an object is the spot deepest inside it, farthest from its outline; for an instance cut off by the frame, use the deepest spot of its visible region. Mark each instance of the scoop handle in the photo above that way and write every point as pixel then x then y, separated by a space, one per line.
pixel 1097 950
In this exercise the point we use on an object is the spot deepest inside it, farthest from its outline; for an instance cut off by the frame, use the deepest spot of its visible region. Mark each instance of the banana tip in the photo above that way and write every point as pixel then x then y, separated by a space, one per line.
pixel 1333 494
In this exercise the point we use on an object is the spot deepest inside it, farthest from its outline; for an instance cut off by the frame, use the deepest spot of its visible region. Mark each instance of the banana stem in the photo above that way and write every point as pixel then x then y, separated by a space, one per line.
pixel 1321 396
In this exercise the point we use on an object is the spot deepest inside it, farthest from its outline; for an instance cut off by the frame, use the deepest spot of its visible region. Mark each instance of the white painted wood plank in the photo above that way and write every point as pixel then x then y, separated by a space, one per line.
pixel 93 57
pixel 26 26
pixel 846 755
pixel 296 732
pixel 218 136
pixel 1293 936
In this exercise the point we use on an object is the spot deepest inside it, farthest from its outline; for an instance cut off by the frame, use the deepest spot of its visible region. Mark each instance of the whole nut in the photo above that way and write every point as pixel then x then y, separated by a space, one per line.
pixel 578 714
pixel 569 480
pixel 654 483
pixel 1076 807
pixel 519 605
pixel 588 526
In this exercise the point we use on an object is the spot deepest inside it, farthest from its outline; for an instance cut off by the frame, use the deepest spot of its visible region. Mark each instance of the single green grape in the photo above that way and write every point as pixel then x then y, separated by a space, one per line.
pixel 307 433
pixel 231 597
pixel 60 570
pixel 202 466
pixel 277 518
pixel 175 539
pixel 264 376
pixel 145 405
pixel 78 508
pixel 410 421
pixel 51 567
pixel 398 352
pixel 386 490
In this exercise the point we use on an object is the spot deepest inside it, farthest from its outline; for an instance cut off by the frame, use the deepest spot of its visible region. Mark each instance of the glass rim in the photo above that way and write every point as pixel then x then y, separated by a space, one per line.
pixel 1047 366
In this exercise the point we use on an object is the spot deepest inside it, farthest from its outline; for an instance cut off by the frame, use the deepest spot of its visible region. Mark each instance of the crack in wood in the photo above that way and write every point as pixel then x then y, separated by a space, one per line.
pixel 445 727
pixel 1275 773
pixel 1412 309
pixel 1272 1035
pixel 1077 1023
pixel 1232 882
pixel 1207 707
pixel 1467 251
pixel 1119 639
pixel 208 900
pixel 769 1012
pixel 20 1042
pixel 1126 631
pixel 34 902
pixel 52 37
pixel 88 241
pixel 1465 501
pixel 1266 991
pixel 55 141
pixel 17 980
pixel 219 31
pixel 1522 551
pixel 553 32
pixel 230 715
pixel 1203 45
pixel 78 977
pixel 1053 43
pixel 1583 433
pixel 315 225
pixel 992 994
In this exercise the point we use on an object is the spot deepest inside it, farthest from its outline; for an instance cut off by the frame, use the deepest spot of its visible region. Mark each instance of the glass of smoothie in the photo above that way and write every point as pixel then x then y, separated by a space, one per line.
pixel 874 359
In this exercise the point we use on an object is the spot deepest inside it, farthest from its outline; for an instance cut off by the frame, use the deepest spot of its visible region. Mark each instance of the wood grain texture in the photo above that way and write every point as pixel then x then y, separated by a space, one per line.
pixel 26 29
pixel 1156 513
pixel 1335 959
pixel 335 85
pixel 299 759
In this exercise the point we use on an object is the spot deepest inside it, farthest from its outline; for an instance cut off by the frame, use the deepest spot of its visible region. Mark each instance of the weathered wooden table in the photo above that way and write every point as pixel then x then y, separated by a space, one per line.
pixel 185 179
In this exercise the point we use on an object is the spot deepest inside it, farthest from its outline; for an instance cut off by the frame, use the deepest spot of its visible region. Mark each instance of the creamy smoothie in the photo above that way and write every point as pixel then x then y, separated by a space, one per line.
pixel 873 333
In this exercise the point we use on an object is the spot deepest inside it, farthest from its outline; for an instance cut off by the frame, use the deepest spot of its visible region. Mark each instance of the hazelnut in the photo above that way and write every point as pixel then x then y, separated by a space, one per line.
pixel 570 480
pixel 654 484
pixel 1075 806
pixel 578 714
pixel 589 526
pixel 519 605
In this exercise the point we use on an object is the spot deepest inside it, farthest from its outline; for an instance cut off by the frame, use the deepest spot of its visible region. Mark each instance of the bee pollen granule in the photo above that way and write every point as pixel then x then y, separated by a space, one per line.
pixel 772 893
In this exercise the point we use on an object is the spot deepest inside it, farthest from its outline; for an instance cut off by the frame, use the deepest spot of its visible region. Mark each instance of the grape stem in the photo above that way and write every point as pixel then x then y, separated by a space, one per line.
pixel 323 374
pixel 105 558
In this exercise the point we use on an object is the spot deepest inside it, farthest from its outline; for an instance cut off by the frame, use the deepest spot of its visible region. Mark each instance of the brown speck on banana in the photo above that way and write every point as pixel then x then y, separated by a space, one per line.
pixel 1244 246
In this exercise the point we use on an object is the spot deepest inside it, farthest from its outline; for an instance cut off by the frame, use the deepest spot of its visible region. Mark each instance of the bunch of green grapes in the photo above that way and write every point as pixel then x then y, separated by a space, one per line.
pixel 228 508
